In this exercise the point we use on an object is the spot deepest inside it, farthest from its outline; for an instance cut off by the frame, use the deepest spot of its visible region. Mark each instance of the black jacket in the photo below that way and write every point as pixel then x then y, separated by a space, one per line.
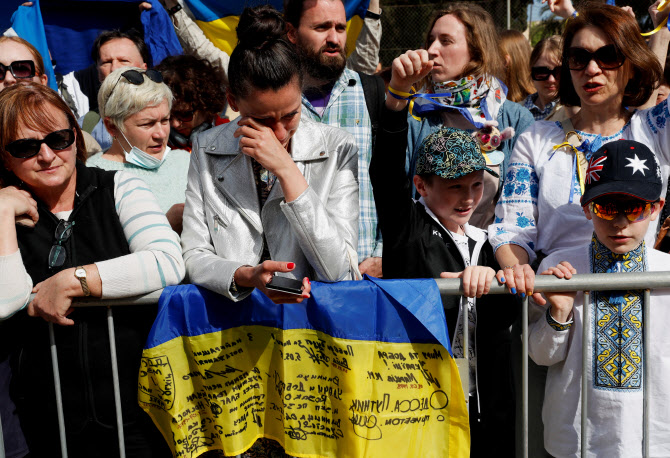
pixel 416 246
pixel 83 349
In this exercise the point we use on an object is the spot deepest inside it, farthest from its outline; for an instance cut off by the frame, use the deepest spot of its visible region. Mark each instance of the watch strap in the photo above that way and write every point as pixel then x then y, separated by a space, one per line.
pixel 175 9
pixel 371 15
pixel 82 280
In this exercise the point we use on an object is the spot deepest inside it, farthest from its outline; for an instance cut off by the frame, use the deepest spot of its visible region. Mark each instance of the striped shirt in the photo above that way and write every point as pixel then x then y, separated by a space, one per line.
pixel 347 110
pixel 154 261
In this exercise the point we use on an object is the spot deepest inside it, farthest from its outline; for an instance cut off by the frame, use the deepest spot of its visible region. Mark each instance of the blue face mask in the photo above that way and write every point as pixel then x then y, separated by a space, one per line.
pixel 142 159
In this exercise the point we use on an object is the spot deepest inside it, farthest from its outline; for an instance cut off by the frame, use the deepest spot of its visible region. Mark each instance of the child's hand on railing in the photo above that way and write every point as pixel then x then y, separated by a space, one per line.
pixel 561 302
pixel 476 280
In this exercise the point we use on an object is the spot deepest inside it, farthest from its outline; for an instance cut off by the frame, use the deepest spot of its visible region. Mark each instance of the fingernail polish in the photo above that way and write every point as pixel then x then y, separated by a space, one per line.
pixel 523 295
pixel 513 290
pixel 309 282
pixel 502 279
pixel 290 265
pixel 530 293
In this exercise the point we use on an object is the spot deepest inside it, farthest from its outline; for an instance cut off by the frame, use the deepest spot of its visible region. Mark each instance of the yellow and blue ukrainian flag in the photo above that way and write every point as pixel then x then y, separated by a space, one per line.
pixel 218 19
pixel 359 369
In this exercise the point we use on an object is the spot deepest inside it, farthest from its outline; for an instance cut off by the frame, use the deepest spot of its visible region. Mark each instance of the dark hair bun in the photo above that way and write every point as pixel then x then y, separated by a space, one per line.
pixel 260 26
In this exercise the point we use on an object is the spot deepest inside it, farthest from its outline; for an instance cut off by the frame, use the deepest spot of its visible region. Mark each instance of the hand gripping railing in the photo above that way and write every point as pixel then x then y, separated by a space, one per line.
pixel 586 282
pixel 448 287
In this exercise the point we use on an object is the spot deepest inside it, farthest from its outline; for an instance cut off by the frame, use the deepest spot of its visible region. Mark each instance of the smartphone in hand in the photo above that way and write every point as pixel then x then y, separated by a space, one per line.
pixel 285 285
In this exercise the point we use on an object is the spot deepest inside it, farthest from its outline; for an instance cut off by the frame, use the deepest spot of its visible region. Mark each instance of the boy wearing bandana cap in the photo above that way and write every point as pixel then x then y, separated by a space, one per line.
pixel 430 238
pixel 622 197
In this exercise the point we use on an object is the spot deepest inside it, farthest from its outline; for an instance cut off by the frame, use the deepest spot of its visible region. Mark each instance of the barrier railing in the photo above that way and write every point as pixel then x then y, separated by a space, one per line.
pixel 448 287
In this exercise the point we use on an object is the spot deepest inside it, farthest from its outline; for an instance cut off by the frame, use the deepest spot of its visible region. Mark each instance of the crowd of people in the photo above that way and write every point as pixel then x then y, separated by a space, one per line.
pixel 475 157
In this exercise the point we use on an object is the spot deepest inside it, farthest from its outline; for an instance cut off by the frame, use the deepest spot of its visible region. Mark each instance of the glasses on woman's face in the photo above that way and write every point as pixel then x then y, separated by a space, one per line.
pixel 57 254
pixel 607 58
pixel 19 69
pixel 183 116
pixel 635 210
pixel 28 147
pixel 543 73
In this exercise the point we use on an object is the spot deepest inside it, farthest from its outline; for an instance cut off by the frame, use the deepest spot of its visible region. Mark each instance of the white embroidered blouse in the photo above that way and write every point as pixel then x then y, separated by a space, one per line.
pixel 534 210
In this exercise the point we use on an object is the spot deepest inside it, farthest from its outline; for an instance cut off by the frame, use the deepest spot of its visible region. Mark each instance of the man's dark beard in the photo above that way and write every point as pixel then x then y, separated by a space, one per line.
pixel 321 67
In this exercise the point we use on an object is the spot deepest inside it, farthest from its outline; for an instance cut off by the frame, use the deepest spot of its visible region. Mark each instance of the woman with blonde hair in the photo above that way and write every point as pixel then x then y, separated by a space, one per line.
pixel 70 231
pixel 516 53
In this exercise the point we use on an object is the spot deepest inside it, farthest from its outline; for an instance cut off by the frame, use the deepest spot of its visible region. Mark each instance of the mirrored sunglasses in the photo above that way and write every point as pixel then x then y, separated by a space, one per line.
pixel 607 58
pixel 634 210
pixel 28 147
pixel 19 69
pixel 543 73
pixel 57 254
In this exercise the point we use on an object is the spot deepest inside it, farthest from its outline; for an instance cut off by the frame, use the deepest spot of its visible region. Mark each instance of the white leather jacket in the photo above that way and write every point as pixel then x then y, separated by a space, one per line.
pixel 224 224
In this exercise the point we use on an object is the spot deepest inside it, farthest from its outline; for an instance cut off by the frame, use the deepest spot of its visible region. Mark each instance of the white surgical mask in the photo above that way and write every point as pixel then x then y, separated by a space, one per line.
pixel 142 159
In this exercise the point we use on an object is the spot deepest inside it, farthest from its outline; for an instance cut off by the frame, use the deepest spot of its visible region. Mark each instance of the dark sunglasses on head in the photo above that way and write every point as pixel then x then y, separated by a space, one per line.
pixel 607 58
pixel 57 254
pixel 28 147
pixel 543 73
pixel 19 69
pixel 135 77
pixel 184 116
pixel 636 210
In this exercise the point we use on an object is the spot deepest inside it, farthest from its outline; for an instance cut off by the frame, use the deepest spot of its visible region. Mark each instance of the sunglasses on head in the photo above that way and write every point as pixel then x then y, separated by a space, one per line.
pixel 543 73
pixel 635 210
pixel 28 147
pixel 607 58
pixel 136 77
pixel 19 69
pixel 184 116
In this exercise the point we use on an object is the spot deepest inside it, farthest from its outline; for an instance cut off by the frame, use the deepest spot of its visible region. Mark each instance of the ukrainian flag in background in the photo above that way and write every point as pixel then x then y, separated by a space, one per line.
pixel 218 19
pixel 361 369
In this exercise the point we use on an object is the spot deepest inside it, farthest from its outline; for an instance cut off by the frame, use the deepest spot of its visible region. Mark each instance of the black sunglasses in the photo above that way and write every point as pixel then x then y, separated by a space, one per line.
pixel 135 77
pixel 28 147
pixel 607 58
pixel 543 73
pixel 184 116
pixel 57 254
pixel 19 69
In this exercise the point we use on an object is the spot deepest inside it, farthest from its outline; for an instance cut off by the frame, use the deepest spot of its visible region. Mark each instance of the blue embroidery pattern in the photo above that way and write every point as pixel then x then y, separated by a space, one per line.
pixel 617 323
pixel 521 181
pixel 524 221
pixel 555 324
pixel 657 117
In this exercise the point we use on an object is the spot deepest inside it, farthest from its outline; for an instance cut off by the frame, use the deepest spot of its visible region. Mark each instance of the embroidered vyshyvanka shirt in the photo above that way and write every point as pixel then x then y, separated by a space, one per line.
pixel 535 210
pixel 616 360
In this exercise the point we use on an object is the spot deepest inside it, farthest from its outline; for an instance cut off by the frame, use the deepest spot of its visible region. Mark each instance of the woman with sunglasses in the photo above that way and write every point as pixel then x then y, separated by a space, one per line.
pixel 135 107
pixel 199 97
pixel 20 62
pixel 459 69
pixel 80 232
pixel 545 67
pixel 606 67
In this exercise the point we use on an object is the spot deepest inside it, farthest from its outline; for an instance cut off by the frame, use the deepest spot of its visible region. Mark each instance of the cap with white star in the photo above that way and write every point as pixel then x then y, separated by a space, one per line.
pixel 623 167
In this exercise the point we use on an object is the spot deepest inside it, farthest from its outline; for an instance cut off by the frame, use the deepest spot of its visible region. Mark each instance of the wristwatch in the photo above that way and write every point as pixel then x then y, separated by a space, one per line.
pixel 80 274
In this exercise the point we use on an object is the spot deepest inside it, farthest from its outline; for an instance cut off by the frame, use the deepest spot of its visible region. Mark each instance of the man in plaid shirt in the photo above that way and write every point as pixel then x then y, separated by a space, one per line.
pixel 335 96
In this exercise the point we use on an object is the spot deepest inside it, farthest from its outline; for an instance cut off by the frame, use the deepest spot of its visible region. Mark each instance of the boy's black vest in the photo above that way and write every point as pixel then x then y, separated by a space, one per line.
pixel 83 349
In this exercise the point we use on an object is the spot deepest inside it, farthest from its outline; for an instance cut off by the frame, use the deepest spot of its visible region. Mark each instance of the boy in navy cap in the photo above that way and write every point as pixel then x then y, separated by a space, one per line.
pixel 430 238
pixel 621 197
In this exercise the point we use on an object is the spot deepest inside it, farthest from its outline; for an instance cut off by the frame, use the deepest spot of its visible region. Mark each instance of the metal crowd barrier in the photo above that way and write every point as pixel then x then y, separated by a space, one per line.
pixel 448 287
